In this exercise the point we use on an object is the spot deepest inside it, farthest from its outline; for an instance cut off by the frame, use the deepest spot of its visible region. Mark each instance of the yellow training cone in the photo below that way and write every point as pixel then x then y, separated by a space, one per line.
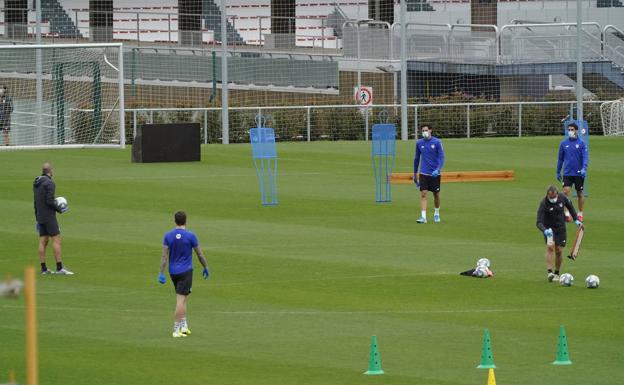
pixel 491 377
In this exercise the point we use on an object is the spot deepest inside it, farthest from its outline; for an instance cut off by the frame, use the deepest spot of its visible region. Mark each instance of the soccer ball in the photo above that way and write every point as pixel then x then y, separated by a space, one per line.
pixel 61 202
pixel 566 279
pixel 481 272
pixel 483 262
pixel 592 281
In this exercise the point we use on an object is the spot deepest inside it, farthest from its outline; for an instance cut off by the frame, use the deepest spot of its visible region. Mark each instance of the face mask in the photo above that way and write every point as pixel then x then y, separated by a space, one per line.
pixel 572 134
pixel 426 134
pixel 552 200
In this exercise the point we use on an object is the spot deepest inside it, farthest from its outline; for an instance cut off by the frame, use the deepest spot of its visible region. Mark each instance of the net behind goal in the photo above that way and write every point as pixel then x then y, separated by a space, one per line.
pixel 61 96
pixel 612 114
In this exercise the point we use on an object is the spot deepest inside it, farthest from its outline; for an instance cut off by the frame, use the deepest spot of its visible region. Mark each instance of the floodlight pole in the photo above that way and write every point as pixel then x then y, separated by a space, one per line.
pixel 225 121
pixel 579 63
pixel 30 296
pixel 403 21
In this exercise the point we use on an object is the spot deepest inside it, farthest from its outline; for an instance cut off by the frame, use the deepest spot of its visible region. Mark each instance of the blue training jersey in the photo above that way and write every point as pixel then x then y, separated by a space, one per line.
pixel 180 243
pixel 432 154
pixel 573 156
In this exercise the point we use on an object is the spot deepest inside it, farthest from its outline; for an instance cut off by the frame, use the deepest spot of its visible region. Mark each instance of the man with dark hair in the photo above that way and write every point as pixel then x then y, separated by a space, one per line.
pixel 432 152
pixel 45 214
pixel 6 108
pixel 574 157
pixel 178 246
pixel 551 222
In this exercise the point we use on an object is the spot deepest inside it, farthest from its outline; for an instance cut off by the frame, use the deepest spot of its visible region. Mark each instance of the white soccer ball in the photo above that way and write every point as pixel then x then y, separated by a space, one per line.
pixel 483 262
pixel 481 272
pixel 61 202
pixel 566 279
pixel 592 281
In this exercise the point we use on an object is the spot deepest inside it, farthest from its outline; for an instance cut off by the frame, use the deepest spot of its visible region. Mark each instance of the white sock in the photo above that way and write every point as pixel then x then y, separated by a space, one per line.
pixel 423 214
pixel 183 324
pixel 176 326
pixel 580 213
pixel 437 211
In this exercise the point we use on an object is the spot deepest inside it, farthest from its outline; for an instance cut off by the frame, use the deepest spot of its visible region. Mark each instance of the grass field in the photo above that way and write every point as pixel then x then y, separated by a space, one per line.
pixel 297 290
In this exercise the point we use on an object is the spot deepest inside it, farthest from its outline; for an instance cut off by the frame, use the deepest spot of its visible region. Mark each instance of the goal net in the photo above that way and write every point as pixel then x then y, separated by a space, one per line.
pixel 61 96
pixel 612 114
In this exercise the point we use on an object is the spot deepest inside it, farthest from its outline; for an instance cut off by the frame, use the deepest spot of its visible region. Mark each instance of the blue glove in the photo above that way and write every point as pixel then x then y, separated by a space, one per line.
pixel 548 232
pixel 559 177
pixel 578 223
pixel 37 227
pixel 161 278
pixel 205 273
pixel 415 179
pixel 435 173
pixel 65 209
pixel 583 172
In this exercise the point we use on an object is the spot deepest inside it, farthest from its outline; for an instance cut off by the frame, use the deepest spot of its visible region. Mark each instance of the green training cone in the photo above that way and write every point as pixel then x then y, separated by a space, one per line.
pixel 487 360
pixel 563 357
pixel 374 364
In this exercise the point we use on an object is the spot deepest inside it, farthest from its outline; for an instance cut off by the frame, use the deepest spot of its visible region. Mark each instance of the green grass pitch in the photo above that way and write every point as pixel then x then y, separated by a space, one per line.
pixel 297 290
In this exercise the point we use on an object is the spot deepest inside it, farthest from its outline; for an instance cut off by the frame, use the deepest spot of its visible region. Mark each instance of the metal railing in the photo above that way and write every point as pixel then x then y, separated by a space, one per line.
pixel 548 42
pixel 164 28
pixel 613 44
pixel 364 39
pixel 487 119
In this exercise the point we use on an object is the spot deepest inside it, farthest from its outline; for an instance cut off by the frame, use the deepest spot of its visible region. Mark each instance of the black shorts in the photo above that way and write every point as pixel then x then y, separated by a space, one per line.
pixel 429 183
pixel 50 228
pixel 560 236
pixel 577 181
pixel 183 282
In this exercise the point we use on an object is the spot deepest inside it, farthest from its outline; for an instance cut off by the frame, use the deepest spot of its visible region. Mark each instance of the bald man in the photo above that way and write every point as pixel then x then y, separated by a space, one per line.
pixel 47 225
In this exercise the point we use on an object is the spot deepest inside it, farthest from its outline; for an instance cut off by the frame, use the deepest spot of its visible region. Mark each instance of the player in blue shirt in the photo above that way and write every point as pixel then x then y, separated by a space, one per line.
pixel 432 153
pixel 178 246
pixel 574 157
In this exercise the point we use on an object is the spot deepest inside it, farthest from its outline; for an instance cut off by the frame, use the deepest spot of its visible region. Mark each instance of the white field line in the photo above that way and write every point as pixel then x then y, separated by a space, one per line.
pixel 323 312
pixel 251 173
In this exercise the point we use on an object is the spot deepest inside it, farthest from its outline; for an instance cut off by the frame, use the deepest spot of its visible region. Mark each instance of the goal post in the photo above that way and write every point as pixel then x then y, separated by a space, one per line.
pixel 62 96
pixel 612 115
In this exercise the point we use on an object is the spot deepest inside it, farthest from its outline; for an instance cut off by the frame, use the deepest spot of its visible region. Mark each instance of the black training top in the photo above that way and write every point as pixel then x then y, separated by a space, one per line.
pixel 552 215
pixel 45 206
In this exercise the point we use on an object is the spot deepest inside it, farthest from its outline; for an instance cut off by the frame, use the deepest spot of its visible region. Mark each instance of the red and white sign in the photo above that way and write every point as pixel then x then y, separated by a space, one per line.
pixel 363 96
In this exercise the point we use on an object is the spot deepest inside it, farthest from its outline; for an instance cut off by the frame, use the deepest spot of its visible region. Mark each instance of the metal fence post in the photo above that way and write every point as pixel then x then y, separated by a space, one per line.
pixel 205 126
pixel 520 119
pixel 468 121
pixel 169 26
pixel 134 124
pixel 137 28
pixel 151 117
pixel 323 34
pixel 77 25
pixel 366 122
pixel 308 126
pixel 416 122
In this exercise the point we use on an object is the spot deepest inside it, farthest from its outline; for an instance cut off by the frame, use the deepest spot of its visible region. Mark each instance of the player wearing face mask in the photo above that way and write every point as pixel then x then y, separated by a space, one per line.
pixel 428 149
pixel 551 222
pixel 573 157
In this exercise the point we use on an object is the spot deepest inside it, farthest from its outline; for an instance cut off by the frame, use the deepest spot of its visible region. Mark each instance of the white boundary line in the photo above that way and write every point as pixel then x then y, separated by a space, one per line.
pixel 549 309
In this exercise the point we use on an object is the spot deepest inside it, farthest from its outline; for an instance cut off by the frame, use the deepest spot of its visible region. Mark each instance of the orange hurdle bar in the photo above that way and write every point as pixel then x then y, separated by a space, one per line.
pixel 460 176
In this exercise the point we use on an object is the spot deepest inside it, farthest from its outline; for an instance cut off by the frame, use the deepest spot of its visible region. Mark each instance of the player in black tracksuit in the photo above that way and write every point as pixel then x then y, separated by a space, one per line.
pixel 45 214
pixel 551 222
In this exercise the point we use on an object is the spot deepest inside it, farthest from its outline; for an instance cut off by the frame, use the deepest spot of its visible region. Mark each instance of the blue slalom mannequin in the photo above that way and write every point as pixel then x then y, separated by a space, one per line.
pixel 583 134
pixel 264 156
pixel 384 150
